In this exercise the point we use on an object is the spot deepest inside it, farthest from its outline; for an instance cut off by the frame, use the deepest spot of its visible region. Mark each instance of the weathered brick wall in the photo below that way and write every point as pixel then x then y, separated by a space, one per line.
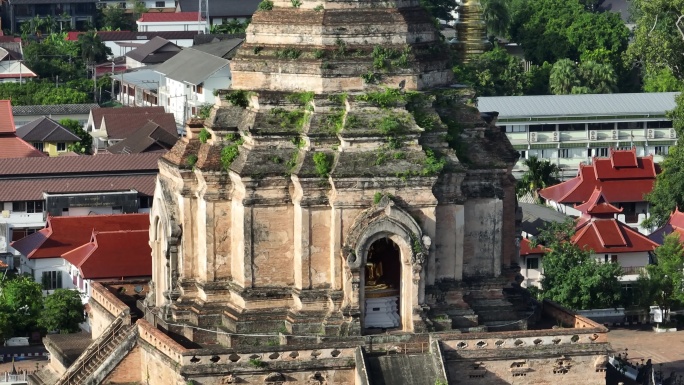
pixel 128 371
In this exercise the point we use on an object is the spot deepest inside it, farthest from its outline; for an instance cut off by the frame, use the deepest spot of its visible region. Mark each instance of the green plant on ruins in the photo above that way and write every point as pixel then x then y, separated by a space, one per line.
pixel 191 160
pixel 370 77
pixel 288 53
pixel 319 8
pixel 334 122
pixel 300 98
pixel 231 150
pixel 266 5
pixel 386 58
pixel 323 164
pixel 296 3
pixel 390 97
pixel 288 119
pixel 204 135
pixel 238 98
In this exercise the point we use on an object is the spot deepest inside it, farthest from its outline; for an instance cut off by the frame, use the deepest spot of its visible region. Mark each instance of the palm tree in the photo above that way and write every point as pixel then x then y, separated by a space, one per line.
pixel 497 16
pixel 563 77
pixel 540 174
pixel 599 78
pixel 92 48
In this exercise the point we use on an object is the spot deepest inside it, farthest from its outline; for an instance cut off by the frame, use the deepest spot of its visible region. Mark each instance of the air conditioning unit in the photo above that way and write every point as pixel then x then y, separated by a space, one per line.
pixel 650 133
pixel 556 135
pixel 533 136
pixel 673 133
pixel 615 135
pixel 593 135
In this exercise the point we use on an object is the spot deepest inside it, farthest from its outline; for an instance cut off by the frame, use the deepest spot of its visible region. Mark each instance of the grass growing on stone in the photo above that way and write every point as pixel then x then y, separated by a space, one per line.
pixel 230 151
pixel 204 135
pixel 288 53
pixel 323 164
pixel 191 160
pixel 288 119
pixel 238 98
pixel 390 97
pixel 266 5
pixel 300 98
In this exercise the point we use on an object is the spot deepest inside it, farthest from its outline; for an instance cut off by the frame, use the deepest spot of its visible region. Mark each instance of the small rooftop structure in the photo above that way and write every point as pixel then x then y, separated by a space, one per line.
pixel 609 236
pixel 155 51
pixel 121 126
pixel 46 130
pixel 235 9
pixel 675 224
pixel 113 254
pixel 623 177
pixel 162 17
pixel 63 234
pixel 96 114
pixel 150 138
pixel 192 66
pixel 536 217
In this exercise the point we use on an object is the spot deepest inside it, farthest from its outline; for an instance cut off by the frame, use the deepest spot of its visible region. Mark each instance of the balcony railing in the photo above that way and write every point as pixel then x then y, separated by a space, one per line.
pixel 633 270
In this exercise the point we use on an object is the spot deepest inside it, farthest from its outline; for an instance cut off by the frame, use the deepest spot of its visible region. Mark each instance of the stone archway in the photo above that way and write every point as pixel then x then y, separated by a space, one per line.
pixel 382 285
pixel 385 221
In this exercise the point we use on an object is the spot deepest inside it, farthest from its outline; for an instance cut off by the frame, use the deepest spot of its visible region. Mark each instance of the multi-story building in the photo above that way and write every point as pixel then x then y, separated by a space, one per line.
pixel 572 129
pixel 76 14
pixel 32 188
pixel 151 5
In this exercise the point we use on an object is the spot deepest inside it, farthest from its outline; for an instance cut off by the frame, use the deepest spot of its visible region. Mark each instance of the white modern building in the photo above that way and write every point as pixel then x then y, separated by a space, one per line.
pixel 572 129
pixel 167 22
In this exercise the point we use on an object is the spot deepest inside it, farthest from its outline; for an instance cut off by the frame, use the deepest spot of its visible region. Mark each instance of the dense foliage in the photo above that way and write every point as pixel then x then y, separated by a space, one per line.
pixel 540 174
pixel 84 146
pixel 115 18
pixel 572 277
pixel 588 77
pixel 21 301
pixel 63 311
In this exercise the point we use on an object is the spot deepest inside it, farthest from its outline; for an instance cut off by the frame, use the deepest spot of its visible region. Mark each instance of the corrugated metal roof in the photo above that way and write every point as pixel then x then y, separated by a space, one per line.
pixel 656 103
pixel 33 189
pixel 191 66
pixel 17 167
pixel 56 109
pixel 223 8
pixel 6 117
pixel 46 130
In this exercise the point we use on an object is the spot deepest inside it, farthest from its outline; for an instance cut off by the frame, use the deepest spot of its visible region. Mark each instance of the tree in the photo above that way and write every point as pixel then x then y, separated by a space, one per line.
pixel 587 78
pixel 114 18
pixel 440 9
pixel 496 16
pixel 63 311
pixel 494 73
pixel 233 27
pixel 93 50
pixel 668 190
pixel 662 283
pixel 84 146
pixel 572 277
pixel 22 300
pixel 657 42
pixel 662 80
pixel 540 174
pixel 54 57
pixel 138 8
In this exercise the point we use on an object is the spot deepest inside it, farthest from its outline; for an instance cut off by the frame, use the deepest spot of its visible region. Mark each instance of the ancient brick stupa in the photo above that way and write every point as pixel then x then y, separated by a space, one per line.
pixel 340 187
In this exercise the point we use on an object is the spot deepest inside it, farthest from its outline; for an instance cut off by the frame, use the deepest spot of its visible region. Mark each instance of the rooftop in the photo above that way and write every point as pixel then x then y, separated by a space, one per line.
pixel 608 235
pixel 121 126
pixel 113 254
pixel 46 130
pixel 192 66
pixel 536 217
pixel 63 234
pixel 151 137
pixel 136 36
pixel 98 113
pixel 163 17
pixel 675 224
pixel 622 177
pixel 157 50
pixel 223 8
pixel 77 165
pixel 511 107
pixel 55 109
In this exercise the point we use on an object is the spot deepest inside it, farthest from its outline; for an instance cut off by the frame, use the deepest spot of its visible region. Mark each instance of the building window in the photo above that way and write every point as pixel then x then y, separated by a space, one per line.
pixel 563 152
pixel 52 280
pixel 34 206
pixel 613 258
pixel 516 128
pixel 542 127
pixel 19 206
pixel 160 4
pixel 601 126
pixel 630 125
pixel 661 150
pixel 599 152
pixel 523 154
pixel 572 127
pixel 61 147
pixel 38 146
pixel 122 5
pixel 200 90
pixel 533 263
pixel 659 124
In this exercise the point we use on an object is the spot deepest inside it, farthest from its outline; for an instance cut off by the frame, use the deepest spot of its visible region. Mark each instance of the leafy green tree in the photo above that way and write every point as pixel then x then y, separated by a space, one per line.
pixel 662 283
pixel 22 299
pixel 538 77
pixel 564 77
pixel 668 190
pixel 494 73
pixel 598 78
pixel 138 8
pixel 550 30
pixel 540 174
pixel 85 145
pixel 114 17
pixel 662 80
pixel 63 311
pixel 440 9
pixel 657 43
pixel 45 92
pixel 233 27
pixel 572 277
pixel 55 57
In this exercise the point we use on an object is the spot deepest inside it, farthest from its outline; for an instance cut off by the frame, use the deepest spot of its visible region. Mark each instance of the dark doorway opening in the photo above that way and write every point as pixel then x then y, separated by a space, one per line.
pixel 382 286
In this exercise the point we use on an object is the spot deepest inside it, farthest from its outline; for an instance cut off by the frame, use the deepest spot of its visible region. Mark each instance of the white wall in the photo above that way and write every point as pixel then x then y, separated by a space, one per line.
pixel 171 26
pixel 627 260
pixel 118 50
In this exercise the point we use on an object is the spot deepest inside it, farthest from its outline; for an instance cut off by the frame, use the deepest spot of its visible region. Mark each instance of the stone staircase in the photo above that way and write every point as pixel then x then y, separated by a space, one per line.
pixel 81 371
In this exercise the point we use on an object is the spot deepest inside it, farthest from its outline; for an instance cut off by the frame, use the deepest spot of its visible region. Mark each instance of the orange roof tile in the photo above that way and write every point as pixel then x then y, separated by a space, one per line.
pixel 113 254
pixel 15 147
pixel 610 236
pixel 6 117
pixel 597 205
pixel 527 249
pixel 63 234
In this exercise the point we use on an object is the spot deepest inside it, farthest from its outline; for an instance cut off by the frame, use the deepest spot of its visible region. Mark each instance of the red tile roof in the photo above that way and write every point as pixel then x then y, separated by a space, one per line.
pixel 621 178
pixel 113 254
pixel 675 224
pixel 6 117
pixel 527 249
pixel 33 188
pixel 63 234
pixel 98 113
pixel 160 17
pixel 13 147
pixel 120 126
pixel 597 205
pixel 610 236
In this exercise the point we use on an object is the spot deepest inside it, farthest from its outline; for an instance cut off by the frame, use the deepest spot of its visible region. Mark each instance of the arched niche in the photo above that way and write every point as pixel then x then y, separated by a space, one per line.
pixel 386 221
